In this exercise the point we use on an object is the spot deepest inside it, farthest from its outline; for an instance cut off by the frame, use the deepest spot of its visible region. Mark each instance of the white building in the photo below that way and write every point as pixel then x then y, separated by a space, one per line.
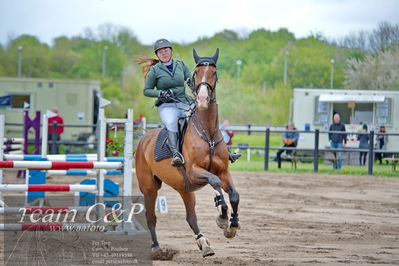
pixel 314 108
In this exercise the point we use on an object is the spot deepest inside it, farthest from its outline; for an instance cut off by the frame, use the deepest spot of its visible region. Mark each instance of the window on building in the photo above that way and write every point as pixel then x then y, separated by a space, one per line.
pixel 322 110
pixel 363 113
pixel 344 112
pixel 384 112
pixel 355 113
pixel 18 100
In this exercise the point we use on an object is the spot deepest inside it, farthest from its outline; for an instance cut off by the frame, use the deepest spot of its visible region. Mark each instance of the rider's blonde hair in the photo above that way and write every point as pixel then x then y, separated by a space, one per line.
pixel 146 62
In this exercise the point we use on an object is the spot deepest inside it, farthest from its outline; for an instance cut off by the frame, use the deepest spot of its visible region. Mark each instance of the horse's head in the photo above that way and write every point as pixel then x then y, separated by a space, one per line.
pixel 204 79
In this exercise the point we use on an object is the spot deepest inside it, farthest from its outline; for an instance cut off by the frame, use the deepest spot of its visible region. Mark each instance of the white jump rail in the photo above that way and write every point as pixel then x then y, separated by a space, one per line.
pixel 14 140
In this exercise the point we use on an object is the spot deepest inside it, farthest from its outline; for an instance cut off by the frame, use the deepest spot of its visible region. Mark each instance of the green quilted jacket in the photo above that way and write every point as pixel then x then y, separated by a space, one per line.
pixel 159 78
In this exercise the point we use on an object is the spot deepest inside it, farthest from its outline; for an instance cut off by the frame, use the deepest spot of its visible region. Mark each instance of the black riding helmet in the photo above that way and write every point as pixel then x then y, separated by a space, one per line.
pixel 161 43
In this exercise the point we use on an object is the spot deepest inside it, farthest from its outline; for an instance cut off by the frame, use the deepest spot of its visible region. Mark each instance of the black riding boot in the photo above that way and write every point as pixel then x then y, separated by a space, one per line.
pixel 234 156
pixel 178 159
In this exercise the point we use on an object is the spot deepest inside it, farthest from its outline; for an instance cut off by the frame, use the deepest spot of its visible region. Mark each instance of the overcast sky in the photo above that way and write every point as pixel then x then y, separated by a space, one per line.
pixel 186 20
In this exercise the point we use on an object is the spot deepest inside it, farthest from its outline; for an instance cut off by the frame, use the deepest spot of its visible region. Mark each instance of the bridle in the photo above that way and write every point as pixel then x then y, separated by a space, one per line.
pixel 202 133
pixel 211 88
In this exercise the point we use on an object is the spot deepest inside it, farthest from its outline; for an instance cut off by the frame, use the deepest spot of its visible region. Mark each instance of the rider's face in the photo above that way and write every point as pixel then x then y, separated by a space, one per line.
pixel 164 54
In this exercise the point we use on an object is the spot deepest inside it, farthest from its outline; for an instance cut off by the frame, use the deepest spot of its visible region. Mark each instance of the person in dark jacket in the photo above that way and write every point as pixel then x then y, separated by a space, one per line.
pixel 338 140
pixel 382 141
pixel 290 139
pixel 165 80
pixel 363 144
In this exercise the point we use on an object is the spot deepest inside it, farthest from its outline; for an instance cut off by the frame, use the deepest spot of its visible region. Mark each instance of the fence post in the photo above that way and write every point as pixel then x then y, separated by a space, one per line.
pixel 371 153
pixel 144 125
pixel 107 136
pixel 44 135
pixel 249 129
pixel 267 146
pixel 316 151
pixel 54 139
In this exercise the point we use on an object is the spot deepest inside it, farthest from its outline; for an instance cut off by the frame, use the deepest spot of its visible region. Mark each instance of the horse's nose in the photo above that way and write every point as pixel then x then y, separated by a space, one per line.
pixel 202 104
pixel 202 98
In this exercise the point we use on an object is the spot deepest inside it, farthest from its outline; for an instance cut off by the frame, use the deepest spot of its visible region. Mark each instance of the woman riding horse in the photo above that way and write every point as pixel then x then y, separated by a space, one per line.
pixel 206 162
pixel 169 76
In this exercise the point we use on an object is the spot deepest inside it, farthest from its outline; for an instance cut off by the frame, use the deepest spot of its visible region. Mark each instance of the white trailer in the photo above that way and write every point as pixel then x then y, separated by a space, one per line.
pixel 314 108
pixel 76 101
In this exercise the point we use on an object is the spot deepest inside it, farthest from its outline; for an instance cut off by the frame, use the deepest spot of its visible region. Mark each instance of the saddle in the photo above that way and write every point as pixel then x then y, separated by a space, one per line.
pixel 162 151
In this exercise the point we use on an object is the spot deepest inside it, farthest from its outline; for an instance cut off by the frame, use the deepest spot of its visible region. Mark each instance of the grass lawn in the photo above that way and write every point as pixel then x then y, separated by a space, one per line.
pixel 258 165
pixel 257 161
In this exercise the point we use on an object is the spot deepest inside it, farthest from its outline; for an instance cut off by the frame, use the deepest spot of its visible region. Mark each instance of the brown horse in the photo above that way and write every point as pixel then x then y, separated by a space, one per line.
pixel 206 158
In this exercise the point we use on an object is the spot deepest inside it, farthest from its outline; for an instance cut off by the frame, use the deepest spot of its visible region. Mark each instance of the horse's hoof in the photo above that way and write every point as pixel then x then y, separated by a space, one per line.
pixel 222 223
pixel 202 242
pixel 230 232
pixel 208 252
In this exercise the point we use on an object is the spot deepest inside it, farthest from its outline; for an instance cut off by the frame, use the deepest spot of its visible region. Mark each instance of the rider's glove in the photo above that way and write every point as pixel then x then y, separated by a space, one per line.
pixel 166 94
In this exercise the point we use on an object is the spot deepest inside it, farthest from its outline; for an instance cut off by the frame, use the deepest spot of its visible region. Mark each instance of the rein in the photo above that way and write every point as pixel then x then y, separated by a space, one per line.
pixel 211 89
pixel 210 140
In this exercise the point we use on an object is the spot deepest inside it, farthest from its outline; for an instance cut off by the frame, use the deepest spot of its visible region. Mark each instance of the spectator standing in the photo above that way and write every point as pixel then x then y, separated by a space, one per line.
pixel 60 129
pixel 363 144
pixel 382 141
pixel 337 140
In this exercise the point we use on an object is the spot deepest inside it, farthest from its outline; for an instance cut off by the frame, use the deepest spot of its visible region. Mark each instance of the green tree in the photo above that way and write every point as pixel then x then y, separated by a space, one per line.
pixel 35 57
pixel 379 71
pixel 62 57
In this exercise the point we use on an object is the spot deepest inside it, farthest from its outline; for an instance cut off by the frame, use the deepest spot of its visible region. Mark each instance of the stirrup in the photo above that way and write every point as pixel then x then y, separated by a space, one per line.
pixel 178 159
pixel 234 157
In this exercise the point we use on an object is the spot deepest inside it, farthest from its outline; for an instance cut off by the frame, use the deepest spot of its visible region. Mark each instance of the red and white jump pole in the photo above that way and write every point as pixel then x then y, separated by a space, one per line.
pixel 60 165
pixel 54 188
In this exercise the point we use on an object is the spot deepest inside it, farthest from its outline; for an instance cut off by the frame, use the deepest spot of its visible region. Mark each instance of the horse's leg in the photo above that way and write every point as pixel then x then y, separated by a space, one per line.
pixel 216 183
pixel 191 217
pixel 229 187
pixel 149 203
pixel 149 186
